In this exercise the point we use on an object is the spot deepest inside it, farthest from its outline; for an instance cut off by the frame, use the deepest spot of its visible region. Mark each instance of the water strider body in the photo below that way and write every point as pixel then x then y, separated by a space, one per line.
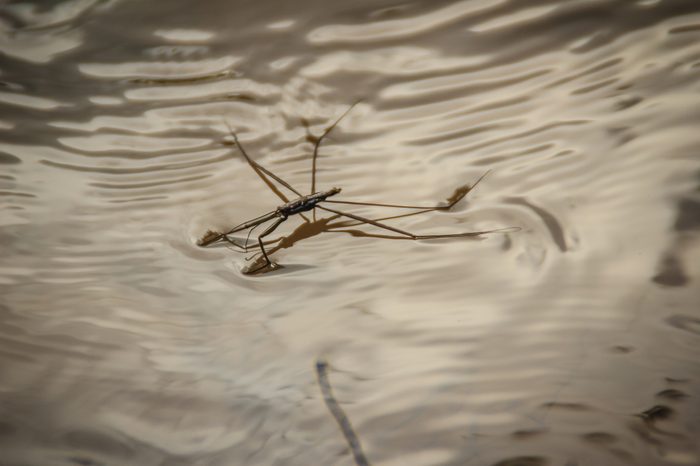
pixel 309 202
pixel 297 206
pixel 305 203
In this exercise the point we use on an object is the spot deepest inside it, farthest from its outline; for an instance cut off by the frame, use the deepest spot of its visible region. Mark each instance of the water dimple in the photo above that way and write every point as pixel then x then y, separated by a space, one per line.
pixel 550 220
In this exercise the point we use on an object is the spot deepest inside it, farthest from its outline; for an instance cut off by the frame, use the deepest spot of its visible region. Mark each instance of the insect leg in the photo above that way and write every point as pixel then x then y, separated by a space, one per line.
pixel 457 196
pixel 212 237
pixel 269 230
pixel 371 222
pixel 409 235
pixel 245 245
pixel 317 144
pixel 263 172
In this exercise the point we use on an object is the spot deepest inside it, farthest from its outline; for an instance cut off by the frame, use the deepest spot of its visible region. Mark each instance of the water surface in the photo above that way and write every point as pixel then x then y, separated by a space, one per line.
pixel 573 341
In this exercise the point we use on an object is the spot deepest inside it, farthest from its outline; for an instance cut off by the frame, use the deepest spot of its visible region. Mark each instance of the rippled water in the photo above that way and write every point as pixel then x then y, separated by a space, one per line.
pixel 574 341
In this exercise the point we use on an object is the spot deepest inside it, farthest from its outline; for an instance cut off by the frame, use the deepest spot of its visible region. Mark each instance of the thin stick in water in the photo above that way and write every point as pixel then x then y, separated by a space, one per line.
pixel 340 417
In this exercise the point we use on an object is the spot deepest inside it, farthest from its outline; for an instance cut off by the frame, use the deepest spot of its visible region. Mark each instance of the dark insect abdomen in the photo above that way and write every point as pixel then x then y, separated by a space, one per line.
pixel 300 206
pixel 305 203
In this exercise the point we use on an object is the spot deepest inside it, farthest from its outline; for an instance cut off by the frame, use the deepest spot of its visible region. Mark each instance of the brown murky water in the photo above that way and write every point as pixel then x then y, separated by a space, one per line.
pixel 574 341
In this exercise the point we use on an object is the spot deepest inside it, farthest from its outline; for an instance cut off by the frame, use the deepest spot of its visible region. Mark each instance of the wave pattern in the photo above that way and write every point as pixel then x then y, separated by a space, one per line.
pixel 571 341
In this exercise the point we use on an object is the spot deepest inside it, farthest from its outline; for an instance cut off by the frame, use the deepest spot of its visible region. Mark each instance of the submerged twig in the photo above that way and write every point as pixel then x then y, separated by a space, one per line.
pixel 340 417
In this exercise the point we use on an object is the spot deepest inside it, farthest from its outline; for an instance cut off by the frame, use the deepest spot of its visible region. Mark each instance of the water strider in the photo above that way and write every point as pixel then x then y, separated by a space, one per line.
pixel 309 202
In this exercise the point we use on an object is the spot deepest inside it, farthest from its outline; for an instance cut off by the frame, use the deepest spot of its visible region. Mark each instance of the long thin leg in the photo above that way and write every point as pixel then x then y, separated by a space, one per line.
pixel 247 237
pixel 397 206
pixel 369 221
pixel 243 248
pixel 392 217
pixel 269 230
pixel 212 237
pixel 317 144
pixel 248 247
pixel 262 171
pixel 405 233
pixel 457 196
pixel 470 234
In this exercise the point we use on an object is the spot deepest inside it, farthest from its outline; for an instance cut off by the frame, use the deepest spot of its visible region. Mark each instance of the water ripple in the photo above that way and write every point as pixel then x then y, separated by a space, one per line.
pixel 570 337
pixel 401 28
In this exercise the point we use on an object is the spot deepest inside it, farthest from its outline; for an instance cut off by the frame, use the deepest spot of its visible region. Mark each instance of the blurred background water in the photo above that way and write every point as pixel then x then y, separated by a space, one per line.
pixel 574 341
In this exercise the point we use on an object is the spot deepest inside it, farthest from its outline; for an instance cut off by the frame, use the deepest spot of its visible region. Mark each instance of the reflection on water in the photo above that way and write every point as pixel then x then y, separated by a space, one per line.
pixel 573 341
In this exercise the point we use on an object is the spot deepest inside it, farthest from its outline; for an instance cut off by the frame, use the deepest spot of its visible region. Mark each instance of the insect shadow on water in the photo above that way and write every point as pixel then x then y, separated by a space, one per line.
pixel 311 202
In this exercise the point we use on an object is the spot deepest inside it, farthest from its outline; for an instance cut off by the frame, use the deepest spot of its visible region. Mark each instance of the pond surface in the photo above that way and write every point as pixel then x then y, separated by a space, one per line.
pixel 571 338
